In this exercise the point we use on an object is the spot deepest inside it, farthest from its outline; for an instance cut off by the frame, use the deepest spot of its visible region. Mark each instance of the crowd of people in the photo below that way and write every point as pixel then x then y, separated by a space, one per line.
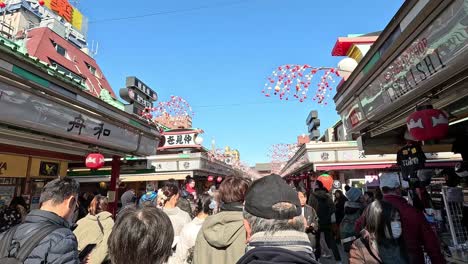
pixel 240 221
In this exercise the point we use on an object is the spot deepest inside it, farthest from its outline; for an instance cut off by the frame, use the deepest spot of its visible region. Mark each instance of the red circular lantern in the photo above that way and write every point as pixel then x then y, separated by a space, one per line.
pixel 94 161
pixel 41 2
pixel 428 124
pixel 219 179
pixel 327 181
pixel 2 5
pixel 210 178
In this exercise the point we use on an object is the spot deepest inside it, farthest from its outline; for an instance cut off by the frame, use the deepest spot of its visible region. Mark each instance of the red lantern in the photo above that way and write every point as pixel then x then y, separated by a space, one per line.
pixel 2 5
pixel 94 161
pixel 327 181
pixel 219 179
pixel 41 2
pixel 210 178
pixel 428 124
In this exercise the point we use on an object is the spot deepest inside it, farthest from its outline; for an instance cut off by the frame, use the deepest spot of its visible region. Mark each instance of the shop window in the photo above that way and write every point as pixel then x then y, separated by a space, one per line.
pixel 60 50
pixel 93 70
pixel 67 72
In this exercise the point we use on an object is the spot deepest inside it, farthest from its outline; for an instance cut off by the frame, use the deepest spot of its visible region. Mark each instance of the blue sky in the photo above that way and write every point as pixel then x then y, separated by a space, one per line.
pixel 219 58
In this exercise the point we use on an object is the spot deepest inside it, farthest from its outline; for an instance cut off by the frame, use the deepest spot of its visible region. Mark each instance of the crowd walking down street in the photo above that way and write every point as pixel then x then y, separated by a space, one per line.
pixel 264 221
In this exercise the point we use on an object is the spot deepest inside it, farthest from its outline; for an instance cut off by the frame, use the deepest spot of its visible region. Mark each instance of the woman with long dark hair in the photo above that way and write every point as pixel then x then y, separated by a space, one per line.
pixel 381 240
pixel 188 235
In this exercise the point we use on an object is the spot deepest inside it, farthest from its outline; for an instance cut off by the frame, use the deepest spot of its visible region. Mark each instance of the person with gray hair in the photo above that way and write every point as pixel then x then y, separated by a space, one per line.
pixel 45 236
pixel 275 225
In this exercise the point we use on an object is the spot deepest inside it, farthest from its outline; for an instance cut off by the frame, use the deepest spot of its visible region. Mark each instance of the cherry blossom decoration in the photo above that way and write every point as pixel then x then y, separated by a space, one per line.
pixel 175 112
pixel 238 165
pixel 280 154
pixel 296 82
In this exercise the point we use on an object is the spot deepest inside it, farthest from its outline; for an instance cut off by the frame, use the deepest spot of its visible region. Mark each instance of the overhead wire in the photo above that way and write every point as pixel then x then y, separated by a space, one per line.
pixel 169 12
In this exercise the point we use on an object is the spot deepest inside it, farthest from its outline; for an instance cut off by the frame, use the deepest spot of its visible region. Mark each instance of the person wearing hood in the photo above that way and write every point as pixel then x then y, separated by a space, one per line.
pixel 275 225
pixel 223 237
pixel 323 204
pixel 95 228
pixel 352 209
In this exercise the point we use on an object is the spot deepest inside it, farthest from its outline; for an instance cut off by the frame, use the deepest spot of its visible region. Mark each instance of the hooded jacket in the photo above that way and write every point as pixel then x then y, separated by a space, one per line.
pixel 222 239
pixel 323 204
pixel 59 247
pixel 417 233
pixel 92 231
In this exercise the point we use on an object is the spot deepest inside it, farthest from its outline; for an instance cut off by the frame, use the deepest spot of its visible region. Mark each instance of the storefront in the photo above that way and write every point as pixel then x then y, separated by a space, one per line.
pixel 419 62
pixel 48 120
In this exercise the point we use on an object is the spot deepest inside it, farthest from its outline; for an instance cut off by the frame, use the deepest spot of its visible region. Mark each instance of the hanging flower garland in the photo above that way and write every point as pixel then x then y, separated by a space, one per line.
pixel 173 112
pixel 280 154
pixel 220 156
pixel 293 81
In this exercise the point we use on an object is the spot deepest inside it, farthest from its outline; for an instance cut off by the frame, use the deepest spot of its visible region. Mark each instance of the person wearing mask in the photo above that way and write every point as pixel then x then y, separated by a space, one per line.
pixel 46 232
pixel 323 204
pixel 275 225
pixel 12 215
pixel 381 240
pixel 222 237
pixel 169 196
pixel 95 228
pixel 417 233
pixel 188 235
pixel 311 223
pixel 137 238
pixel 353 210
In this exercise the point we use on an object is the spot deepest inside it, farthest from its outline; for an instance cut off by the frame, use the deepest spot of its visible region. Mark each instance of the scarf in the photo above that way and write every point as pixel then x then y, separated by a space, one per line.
pixel 290 240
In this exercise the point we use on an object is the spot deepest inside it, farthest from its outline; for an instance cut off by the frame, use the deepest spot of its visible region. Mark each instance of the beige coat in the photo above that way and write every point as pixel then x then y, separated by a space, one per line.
pixel 222 239
pixel 89 232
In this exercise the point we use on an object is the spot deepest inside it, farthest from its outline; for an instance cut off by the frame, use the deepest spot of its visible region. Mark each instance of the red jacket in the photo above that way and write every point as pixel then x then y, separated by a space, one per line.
pixel 416 232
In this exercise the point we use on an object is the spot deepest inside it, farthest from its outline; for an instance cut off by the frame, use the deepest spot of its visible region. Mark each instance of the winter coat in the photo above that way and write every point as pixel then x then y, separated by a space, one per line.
pixel 416 232
pixel 360 254
pixel 347 230
pixel 59 247
pixel 185 205
pixel 311 218
pixel 222 239
pixel 187 240
pixel 340 207
pixel 178 219
pixel 265 255
pixel 95 229
pixel 323 204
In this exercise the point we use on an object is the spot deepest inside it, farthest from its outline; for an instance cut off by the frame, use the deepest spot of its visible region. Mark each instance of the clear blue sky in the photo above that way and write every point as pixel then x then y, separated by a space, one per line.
pixel 219 58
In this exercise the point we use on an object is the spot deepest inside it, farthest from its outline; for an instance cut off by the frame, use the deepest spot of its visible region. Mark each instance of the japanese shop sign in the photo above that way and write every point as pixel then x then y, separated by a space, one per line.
pixel 180 139
pixel 428 55
pixel 138 94
pixel 13 166
pixel 71 14
pixel 29 111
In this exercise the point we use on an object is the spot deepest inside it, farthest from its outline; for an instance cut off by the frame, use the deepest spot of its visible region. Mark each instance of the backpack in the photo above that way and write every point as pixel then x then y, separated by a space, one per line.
pixel 347 231
pixel 148 198
pixel 23 252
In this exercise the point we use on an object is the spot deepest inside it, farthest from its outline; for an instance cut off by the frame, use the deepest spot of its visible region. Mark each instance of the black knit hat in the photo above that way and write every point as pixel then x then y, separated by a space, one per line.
pixel 268 191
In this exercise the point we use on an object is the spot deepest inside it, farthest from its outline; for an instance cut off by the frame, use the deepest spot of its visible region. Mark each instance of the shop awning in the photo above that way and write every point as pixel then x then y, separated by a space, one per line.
pixel 335 167
pixel 136 177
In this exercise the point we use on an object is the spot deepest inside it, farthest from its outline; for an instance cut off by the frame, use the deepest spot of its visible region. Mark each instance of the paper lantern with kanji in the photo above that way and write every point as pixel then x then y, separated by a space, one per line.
pixel 327 181
pixel 94 161
pixel 210 178
pixel 428 124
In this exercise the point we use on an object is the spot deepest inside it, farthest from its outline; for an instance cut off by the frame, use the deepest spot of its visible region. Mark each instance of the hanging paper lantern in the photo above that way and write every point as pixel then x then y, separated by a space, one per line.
pixel 327 181
pixel 219 179
pixel 428 124
pixel 210 178
pixel 94 161
pixel 2 5
pixel 41 2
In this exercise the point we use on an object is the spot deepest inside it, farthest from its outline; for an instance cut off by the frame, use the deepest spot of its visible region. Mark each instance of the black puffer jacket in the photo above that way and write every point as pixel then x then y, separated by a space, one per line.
pixel 323 204
pixel 59 247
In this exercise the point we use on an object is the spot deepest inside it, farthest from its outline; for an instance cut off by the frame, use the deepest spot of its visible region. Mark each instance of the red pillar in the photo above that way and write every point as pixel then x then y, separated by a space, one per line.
pixel 113 190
